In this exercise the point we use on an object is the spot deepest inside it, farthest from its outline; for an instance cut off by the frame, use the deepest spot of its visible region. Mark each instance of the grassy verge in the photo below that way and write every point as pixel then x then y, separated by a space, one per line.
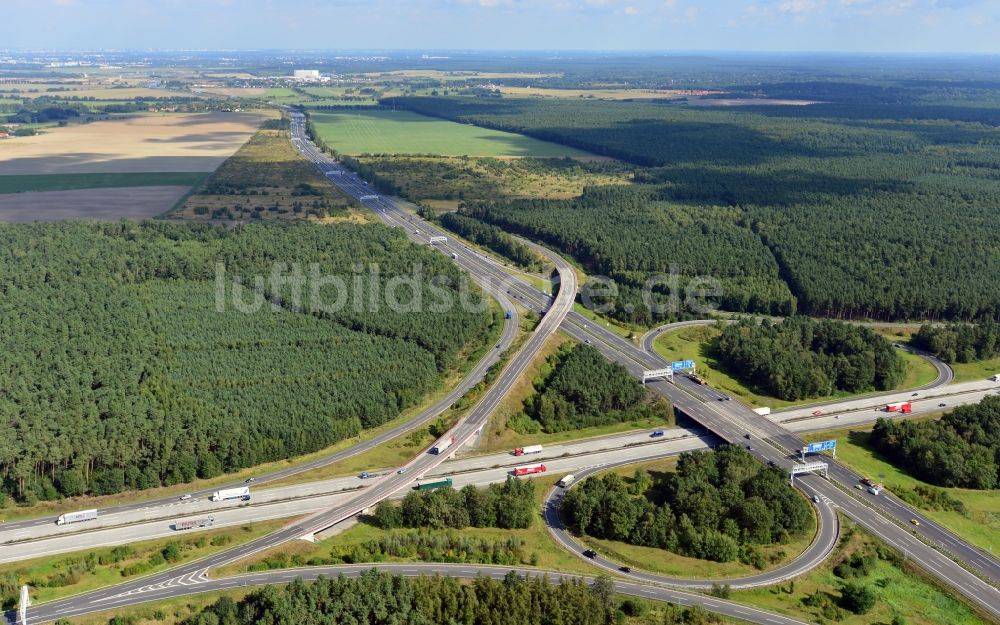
pixel 402 132
pixel 166 612
pixel 979 523
pixel 60 576
pixel 972 371
pixel 67 182
pixel 900 591
pixel 691 343
pixel 539 547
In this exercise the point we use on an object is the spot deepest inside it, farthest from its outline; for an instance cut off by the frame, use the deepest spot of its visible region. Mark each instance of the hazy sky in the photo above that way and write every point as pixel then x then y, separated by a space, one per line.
pixel 765 25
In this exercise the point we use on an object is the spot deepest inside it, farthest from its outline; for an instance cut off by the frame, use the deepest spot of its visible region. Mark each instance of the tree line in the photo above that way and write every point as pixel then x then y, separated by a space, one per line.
pixel 584 389
pixel 491 237
pixel 801 357
pixel 119 370
pixel 961 450
pixel 377 598
pixel 510 505
pixel 960 342
pixel 717 506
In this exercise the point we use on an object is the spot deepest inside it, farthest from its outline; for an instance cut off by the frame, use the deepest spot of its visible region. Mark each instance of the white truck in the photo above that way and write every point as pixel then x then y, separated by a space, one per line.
pixel 763 411
pixel 996 378
pixel 76 517
pixel 193 523
pixel 443 444
pixel 566 481
pixel 530 449
pixel 242 493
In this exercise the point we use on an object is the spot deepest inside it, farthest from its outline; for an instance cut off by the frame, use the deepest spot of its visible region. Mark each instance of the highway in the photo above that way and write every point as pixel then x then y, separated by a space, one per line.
pixel 885 516
pixel 729 420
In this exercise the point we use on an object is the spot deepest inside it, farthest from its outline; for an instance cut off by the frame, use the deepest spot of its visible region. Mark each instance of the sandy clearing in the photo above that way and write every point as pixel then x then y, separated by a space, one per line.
pixel 168 142
pixel 89 204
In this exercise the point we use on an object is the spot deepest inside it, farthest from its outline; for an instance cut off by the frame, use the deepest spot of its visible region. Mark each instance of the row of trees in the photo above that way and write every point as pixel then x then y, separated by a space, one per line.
pixel 716 506
pixel 376 598
pixel 962 449
pixel 492 237
pixel 510 505
pixel 802 357
pixel 584 389
pixel 960 342
pixel 128 359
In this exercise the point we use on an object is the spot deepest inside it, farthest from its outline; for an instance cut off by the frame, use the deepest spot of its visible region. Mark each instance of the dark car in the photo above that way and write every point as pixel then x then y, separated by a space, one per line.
pixel 749 448
pixel 656 434
pixel 250 480
pixel 625 569
pixel 590 553
pixel 942 405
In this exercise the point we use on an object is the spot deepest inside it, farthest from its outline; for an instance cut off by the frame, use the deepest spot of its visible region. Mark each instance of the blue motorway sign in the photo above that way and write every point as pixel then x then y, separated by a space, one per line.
pixel 682 364
pixel 813 448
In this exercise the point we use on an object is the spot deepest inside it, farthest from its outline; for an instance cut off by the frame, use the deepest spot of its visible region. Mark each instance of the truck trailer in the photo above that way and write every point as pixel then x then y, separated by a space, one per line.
pixel 902 407
pixel 193 523
pixel 530 449
pixel 443 444
pixel 445 483
pixel 76 517
pixel 566 481
pixel 242 493
pixel 530 469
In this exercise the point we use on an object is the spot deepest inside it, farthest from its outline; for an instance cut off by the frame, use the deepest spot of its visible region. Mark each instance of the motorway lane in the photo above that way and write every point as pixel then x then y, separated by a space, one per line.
pixel 196 584
pixel 825 541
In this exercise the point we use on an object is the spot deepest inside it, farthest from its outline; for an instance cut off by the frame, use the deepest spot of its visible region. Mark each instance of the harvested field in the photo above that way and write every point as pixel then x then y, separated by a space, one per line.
pixel 90 204
pixel 147 143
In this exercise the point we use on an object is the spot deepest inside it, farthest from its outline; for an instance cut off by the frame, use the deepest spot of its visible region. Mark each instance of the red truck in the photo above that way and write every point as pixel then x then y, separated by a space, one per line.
pixel 903 407
pixel 529 469
pixel 530 449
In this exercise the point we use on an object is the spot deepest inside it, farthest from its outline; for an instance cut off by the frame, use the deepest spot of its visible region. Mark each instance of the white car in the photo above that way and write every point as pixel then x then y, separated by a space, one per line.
pixel 185 497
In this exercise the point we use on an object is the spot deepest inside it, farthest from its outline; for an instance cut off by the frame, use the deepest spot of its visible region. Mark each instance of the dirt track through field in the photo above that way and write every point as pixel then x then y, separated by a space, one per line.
pixel 89 204
pixel 147 143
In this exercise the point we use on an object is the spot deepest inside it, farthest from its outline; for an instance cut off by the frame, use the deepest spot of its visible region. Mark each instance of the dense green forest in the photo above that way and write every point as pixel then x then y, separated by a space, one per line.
pixel 960 342
pixel 122 367
pixel 510 505
pixel 583 389
pixel 961 449
pixel 717 506
pixel 860 208
pixel 802 357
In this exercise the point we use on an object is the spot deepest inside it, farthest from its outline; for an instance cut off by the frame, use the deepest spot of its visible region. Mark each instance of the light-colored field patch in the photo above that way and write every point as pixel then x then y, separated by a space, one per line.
pixel 174 142
pixel 90 204
pixel 105 93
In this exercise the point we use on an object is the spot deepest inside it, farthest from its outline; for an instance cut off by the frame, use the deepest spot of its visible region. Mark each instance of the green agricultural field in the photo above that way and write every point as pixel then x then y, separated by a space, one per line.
pixel 67 182
pixel 402 132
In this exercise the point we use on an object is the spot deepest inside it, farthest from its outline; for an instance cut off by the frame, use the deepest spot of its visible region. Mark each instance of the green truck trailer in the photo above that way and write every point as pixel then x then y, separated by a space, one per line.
pixel 445 483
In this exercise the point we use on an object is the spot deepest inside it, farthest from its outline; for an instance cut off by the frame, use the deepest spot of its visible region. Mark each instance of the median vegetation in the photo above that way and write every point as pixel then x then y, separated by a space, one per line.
pixel 580 388
pixel 717 506
pixel 802 357
pixel 510 505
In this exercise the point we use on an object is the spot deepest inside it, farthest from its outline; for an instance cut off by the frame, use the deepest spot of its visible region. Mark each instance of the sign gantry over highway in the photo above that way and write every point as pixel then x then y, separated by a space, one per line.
pixel 654 374
pixel 682 365
pixel 815 448
pixel 808 467
pixel 434 240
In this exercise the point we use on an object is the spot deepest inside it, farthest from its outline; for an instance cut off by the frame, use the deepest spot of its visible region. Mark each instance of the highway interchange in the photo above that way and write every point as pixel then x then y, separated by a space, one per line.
pixel 884 516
